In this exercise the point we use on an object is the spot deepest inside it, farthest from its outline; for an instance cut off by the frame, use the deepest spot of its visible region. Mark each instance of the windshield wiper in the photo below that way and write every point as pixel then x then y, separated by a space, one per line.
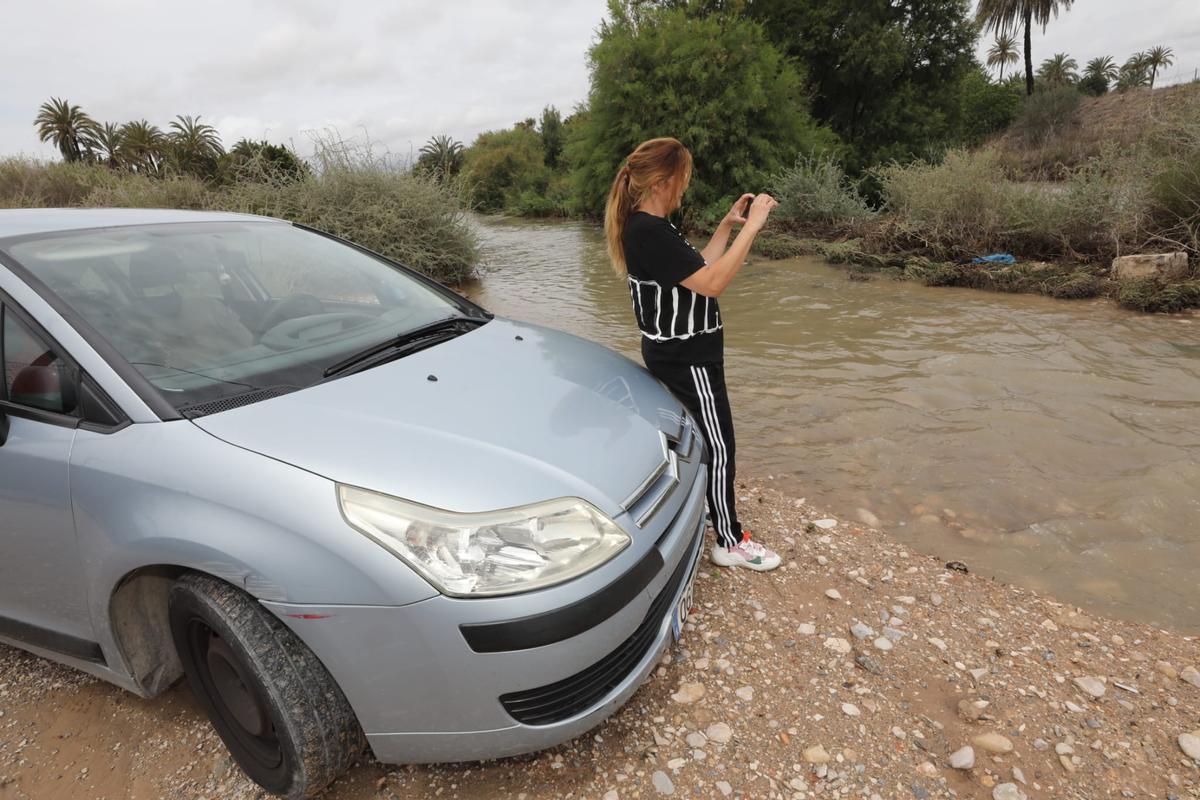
pixel 405 344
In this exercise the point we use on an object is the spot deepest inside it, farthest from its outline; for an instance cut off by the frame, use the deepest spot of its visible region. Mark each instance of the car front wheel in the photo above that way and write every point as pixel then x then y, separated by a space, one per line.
pixel 278 710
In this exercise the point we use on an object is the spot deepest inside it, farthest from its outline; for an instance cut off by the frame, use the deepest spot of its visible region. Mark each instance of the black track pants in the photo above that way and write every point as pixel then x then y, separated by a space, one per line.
pixel 701 389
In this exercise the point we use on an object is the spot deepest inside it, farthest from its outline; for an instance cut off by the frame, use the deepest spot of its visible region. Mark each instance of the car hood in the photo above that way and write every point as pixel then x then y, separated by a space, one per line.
pixel 507 414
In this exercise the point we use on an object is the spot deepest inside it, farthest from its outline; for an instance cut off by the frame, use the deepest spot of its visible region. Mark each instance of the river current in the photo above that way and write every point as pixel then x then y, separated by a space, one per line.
pixel 1052 444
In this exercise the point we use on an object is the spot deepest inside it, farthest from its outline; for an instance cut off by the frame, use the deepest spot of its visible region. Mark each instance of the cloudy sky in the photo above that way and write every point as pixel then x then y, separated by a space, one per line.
pixel 394 70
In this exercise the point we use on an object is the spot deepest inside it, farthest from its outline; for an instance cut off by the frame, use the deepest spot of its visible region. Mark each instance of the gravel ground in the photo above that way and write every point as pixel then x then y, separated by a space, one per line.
pixel 860 669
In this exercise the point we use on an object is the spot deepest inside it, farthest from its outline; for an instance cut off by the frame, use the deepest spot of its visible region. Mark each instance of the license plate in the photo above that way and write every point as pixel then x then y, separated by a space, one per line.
pixel 684 606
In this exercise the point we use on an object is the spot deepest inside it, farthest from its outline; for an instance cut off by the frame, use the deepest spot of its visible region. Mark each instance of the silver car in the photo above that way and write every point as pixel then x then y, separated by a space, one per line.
pixel 353 508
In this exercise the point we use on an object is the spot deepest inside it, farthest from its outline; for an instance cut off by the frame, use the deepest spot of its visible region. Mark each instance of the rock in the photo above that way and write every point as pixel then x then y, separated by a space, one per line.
pixel 936 599
pixel 927 769
pixel 662 783
pixel 676 763
pixel 1063 749
pixel 745 693
pixel 972 710
pixel 1073 708
pixel 1166 265
pixel 993 743
pixel 883 643
pixel 1067 764
pixel 938 643
pixel 1189 743
pixel 1166 669
pixel 837 645
pixel 696 740
pixel 1008 791
pixel 1092 686
pixel 978 674
pixel 833 594
pixel 826 524
pixel 869 664
pixel 719 732
pixel 850 710
pixel 806 629
pixel 1076 622
pixel 963 758
pixel 861 631
pixel 1191 675
pixel 816 755
pixel 611 794
pixel 724 788
pixel 867 518
pixel 688 693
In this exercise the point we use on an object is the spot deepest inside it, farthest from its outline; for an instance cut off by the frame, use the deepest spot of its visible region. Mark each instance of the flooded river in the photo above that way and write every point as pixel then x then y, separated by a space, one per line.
pixel 1053 444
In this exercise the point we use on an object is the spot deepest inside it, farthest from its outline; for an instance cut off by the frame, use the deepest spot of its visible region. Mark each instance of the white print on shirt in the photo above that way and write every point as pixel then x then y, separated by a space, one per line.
pixel 663 321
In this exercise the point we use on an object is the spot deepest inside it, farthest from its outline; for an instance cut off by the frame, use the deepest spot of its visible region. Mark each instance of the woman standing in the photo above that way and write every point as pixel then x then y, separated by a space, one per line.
pixel 674 289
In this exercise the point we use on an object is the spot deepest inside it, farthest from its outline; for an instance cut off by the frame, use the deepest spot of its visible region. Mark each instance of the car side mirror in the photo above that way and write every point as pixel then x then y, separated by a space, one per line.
pixel 3 427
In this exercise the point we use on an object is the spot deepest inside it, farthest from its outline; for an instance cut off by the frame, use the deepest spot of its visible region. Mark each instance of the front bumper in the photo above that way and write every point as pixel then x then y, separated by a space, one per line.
pixel 422 694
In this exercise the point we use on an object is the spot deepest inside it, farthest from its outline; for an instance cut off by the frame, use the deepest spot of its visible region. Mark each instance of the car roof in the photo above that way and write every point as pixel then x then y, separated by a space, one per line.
pixel 25 221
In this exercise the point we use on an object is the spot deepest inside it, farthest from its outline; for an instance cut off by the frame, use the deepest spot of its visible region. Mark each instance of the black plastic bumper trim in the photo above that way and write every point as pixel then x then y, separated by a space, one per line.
pixel 539 630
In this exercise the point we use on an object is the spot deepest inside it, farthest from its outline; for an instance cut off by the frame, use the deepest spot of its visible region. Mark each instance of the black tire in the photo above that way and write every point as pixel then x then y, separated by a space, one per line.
pixel 280 713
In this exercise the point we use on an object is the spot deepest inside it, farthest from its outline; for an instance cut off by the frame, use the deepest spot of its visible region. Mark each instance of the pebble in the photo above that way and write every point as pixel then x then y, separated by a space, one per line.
pixel 719 732
pixel 662 783
pixel 833 594
pixel 1166 669
pixel 1073 708
pixel 611 794
pixel 745 693
pixel 1008 791
pixel 1092 686
pixel 1191 675
pixel 993 743
pixel 867 518
pixel 938 643
pixel 850 710
pixel 816 755
pixel 971 710
pixel 724 788
pixel 963 758
pixel 927 769
pixel 826 524
pixel 688 693
pixel 696 740
pixel 1189 743
pixel 806 629
pixel 676 763
pixel 936 599
pixel 837 645
pixel 883 643
pixel 861 631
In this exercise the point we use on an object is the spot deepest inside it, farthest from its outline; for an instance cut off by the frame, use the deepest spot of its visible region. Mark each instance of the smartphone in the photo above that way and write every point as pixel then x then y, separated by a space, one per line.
pixel 746 207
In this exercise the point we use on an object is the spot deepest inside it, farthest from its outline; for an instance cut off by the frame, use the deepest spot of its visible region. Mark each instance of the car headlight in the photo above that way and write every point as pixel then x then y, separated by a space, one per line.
pixel 491 553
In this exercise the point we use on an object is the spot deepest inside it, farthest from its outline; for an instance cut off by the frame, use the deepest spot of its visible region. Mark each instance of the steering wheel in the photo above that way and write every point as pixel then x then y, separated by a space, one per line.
pixel 301 331
pixel 296 305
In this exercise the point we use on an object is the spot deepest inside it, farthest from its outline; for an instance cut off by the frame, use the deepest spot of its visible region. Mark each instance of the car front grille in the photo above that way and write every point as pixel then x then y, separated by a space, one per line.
pixel 564 699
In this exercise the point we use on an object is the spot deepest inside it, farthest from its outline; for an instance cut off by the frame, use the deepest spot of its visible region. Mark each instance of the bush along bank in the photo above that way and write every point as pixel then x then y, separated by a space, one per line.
pixel 1071 238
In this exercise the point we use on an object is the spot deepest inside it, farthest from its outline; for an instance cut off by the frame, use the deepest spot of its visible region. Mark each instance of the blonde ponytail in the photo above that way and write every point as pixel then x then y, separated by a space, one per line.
pixel 651 163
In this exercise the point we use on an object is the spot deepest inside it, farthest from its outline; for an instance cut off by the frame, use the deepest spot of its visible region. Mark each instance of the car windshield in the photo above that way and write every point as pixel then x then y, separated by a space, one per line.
pixel 207 311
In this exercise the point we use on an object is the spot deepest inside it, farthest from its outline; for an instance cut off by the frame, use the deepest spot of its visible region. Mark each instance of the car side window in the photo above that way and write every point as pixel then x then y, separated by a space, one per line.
pixel 34 374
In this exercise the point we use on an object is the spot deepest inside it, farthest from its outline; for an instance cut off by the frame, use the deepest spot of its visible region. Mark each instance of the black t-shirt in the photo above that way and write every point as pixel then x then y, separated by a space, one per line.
pixel 677 324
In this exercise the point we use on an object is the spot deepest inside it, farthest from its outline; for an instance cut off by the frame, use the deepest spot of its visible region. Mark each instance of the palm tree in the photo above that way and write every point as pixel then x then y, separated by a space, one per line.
pixel 1002 52
pixel 441 155
pixel 1001 15
pixel 107 142
pixel 1102 67
pixel 195 146
pixel 1059 70
pixel 145 146
pixel 1158 56
pixel 66 126
pixel 1135 72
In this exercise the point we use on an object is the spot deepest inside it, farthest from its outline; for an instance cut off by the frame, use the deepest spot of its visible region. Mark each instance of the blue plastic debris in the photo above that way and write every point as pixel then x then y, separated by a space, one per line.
pixel 995 258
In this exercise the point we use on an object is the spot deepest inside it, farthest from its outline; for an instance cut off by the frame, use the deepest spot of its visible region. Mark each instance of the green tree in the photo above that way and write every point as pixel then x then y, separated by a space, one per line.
pixel 108 144
pixel 65 126
pixel 1060 70
pixel 1003 15
pixel 257 160
pixel 501 166
pixel 1158 57
pixel 553 136
pixel 195 146
pixel 1098 75
pixel 883 76
pixel 144 147
pixel 714 82
pixel 1134 73
pixel 441 156
pixel 1003 52
pixel 985 108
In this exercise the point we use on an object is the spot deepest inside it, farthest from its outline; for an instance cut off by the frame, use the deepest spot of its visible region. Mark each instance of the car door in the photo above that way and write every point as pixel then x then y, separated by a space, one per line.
pixel 42 597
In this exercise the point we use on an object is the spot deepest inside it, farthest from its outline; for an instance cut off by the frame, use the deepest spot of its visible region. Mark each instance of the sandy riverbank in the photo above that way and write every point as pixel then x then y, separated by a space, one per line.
pixel 778 689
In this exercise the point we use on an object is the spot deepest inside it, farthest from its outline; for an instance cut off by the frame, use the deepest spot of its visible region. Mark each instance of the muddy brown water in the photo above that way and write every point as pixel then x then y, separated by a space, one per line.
pixel 1049 443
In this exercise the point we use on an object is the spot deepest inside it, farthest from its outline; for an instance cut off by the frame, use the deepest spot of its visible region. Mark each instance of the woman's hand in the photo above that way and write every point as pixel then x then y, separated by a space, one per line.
pixel 760 209
pixel 734 216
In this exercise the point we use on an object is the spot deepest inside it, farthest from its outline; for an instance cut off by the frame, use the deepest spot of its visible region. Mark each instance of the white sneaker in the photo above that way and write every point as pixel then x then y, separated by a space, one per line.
pixel 745 553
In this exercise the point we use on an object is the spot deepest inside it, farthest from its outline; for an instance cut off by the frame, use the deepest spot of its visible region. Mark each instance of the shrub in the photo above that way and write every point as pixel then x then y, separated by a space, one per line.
pixel 816 190
pixel 1047 113
pixel 775 245
pixel 502 166
pixel 1153 294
